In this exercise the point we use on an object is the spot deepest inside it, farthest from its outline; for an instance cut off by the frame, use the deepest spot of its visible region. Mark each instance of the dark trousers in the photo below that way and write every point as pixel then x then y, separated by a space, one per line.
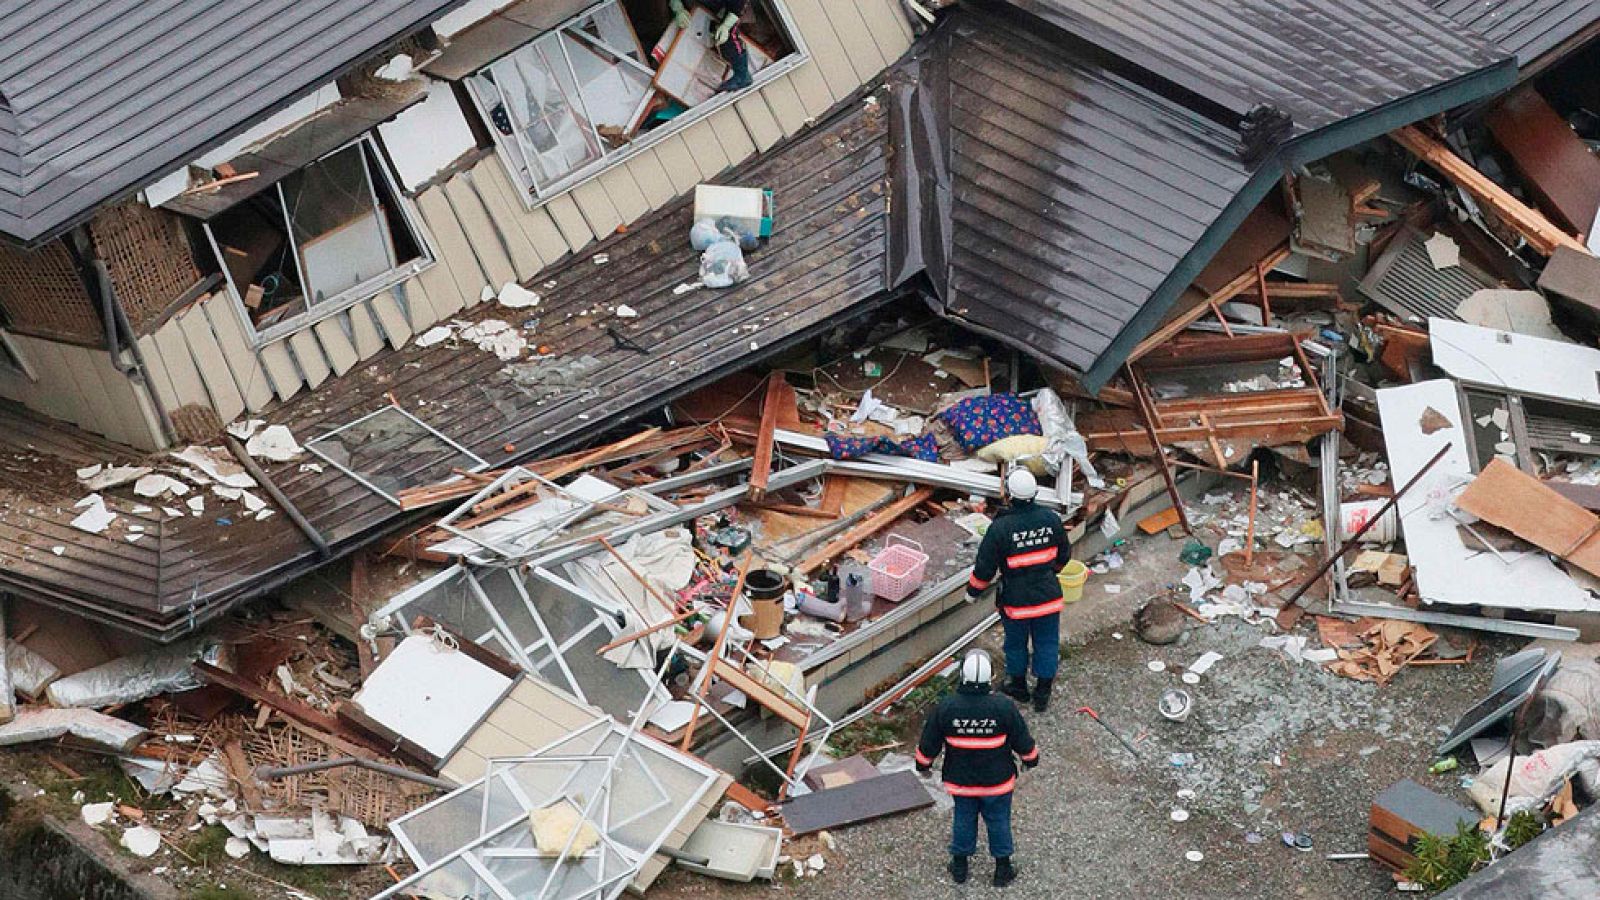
pixel 996 813
pixel 737 55
pixel 1044 633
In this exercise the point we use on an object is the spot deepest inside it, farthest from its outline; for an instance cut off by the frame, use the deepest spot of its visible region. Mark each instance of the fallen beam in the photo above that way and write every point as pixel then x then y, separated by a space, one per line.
pixel 1541 234
pixel 1452 620
pixel 869 527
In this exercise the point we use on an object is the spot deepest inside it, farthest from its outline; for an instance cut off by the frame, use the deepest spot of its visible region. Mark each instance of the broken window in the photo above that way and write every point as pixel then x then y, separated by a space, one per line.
pixel 390 450
pixel 576 98
pixel 325 235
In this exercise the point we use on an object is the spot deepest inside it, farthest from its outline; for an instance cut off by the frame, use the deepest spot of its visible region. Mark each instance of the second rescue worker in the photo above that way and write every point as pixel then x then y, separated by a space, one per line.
pixel 1025 547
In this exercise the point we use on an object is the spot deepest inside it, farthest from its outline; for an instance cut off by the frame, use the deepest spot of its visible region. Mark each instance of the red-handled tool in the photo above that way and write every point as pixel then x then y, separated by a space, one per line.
pixel 1089 711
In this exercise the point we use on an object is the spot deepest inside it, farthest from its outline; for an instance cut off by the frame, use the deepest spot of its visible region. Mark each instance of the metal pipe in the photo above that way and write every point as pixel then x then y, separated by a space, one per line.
pixel 273 773
pixel 278 496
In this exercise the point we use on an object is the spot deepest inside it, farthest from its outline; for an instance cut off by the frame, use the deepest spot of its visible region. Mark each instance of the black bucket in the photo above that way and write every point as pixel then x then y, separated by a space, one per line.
pixel 765 584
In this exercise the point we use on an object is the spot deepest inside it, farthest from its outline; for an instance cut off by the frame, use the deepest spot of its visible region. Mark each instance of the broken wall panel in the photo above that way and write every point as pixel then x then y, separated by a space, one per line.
pixel 1447 571
pixel 1531 366
pixel 1405 281
pixel 1555 164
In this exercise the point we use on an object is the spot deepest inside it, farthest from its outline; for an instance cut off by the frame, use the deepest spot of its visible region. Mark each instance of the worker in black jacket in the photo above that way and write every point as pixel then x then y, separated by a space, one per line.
pixel 981 732
pixel 1026 547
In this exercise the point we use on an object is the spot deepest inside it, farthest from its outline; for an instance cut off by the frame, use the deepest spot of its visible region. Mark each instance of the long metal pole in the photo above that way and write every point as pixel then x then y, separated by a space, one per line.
pixel 1351 541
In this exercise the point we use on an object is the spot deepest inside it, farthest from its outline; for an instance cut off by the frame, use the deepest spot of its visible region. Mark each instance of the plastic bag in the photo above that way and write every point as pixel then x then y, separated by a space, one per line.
pixel 1537 777
pixel 722 265
pixel 1062 437
pixel 702 234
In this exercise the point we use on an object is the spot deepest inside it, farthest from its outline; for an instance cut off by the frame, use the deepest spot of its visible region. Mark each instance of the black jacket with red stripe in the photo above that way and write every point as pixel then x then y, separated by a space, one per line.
pixel 1025 547
pixel 979 732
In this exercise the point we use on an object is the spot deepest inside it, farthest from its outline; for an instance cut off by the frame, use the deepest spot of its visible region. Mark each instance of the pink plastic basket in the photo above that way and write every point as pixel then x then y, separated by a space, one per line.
pixel 898 568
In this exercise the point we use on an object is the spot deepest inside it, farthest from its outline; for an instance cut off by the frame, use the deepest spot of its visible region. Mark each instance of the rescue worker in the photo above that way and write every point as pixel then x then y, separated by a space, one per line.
pixel 980 732
pixel 725 36
pixel 1026 547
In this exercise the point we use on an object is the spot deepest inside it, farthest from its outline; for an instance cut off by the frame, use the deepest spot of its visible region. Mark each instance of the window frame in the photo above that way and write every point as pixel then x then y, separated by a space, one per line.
pixel 533 196
pixel 375 165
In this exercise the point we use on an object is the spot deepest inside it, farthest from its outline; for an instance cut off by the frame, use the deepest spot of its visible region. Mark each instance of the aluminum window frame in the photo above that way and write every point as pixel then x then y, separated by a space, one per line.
pixel 314 314
pixel 478 463
pixel 535 196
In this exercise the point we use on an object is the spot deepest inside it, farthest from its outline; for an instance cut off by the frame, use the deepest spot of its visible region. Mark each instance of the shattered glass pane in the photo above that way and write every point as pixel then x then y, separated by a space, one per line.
pixel 391 450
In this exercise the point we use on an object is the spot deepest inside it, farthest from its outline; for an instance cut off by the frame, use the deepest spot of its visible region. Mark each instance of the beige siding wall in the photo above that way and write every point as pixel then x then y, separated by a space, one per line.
pixel 80 385
pixel 484 235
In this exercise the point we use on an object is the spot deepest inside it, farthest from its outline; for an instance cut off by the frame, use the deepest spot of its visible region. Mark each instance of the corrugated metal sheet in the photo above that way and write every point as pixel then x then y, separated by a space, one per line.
pixel 1074 192
pixel 108 94
pixel 1405 282
pixel 1528 28
pixel 1318 60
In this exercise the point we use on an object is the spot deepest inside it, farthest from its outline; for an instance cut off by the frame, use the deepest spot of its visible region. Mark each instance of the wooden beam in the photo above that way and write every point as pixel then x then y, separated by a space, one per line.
pixel 1183 320
pixel 728 624
pixel 1147 414
pixel 1261 289
pixel 1541 234
pixel 600 455
pixel 777 387
pixel 870 526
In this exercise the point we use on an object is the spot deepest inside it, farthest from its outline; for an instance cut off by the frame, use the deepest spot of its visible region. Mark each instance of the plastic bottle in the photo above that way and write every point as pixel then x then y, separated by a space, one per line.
pixel 855 589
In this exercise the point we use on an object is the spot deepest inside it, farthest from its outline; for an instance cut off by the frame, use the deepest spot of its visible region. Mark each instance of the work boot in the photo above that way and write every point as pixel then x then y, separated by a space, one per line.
pixel 1004 873
pixel 736 82
pixel 1041 693
pixel 1017 688
pixel 959 869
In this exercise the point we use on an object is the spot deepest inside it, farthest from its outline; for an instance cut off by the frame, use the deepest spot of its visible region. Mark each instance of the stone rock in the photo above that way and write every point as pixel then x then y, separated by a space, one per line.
pixel 1159 622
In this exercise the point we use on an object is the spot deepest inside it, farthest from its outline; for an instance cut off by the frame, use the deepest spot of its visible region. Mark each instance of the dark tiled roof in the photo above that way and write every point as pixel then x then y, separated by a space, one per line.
pixel 1528 28
pixel 1321 61
pixel 106 95
pixel 1075 192
pixel 824 262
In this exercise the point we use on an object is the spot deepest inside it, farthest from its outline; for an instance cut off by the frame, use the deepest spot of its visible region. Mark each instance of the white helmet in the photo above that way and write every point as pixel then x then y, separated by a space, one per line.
pixel 1021 485
pixel 976 668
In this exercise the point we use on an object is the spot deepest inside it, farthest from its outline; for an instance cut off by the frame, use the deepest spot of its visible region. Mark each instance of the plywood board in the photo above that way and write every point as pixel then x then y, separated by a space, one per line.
pixel 1518 502
pixel 308 356
pixel 212 364
pixel 851 804
pixel 281 369
pixel 238 347
pixel 1447 571
pixel 484 239
pixel 336 345
pixel 427 137
pixel 1517 363
pixel 536 224
pixel 431 694
pixel 386 309
pixel 419 304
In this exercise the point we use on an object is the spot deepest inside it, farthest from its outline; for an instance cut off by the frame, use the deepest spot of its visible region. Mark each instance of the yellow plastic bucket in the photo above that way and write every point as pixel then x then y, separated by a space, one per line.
pixel 1073 576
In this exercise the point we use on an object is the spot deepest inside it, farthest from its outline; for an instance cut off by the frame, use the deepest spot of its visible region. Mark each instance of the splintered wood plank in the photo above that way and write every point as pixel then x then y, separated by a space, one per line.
pixel 363 331
pixel 626 197
pixel 759 122
pixel 598 211
pixel 226 400
pixel 453 250
pixel 281 369
pixel 735 138
pixel 652 179
pixel 175 356
pixel 680 164
pixel 1505 496
pixel 336 345
pixel 240 351
pixel 308 355
pixel 386 309
pixel 506 218
pixel 784 102
pixel 570 222
pixel 485 241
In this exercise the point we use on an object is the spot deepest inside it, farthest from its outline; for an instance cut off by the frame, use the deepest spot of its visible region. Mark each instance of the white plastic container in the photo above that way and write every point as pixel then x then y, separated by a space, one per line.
pixel 1354 516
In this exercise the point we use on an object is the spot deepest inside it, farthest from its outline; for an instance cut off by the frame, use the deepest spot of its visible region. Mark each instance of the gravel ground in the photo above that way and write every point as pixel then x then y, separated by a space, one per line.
pixel 1277 746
